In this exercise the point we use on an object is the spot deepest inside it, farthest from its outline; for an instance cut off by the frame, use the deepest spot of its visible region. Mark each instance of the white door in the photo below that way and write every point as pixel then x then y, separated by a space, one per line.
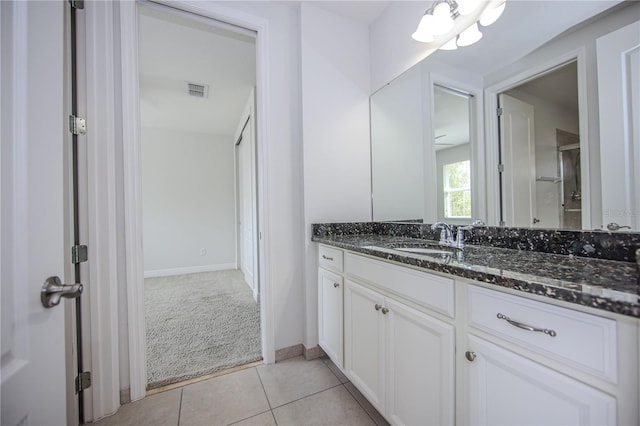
pixel 420 367
pixel 507 389
pixel 619 99
pixel 32 200
pixel 518 157
pixel 364 341
pixel 330 315
pixel 246 187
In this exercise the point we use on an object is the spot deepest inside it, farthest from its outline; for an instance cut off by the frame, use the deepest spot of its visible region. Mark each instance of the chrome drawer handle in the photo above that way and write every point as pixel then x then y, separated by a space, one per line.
pixel 525 326
pixel 327 258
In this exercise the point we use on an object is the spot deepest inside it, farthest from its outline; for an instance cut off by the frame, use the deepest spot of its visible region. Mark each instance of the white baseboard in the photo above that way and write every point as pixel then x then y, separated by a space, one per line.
pixel 188 270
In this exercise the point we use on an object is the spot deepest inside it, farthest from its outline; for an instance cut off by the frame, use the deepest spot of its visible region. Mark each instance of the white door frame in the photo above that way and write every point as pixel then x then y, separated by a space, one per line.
pixel 132 177
pixel 493 131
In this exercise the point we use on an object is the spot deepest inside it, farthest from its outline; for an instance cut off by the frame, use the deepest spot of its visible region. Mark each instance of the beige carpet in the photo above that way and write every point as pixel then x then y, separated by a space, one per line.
pixel 197 324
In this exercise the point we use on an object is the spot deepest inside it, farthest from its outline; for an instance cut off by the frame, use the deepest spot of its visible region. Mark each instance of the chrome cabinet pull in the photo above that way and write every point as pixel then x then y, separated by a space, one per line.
pixel 385 311
pixel 336 285
pixel 327 258
pixel 377 307
pixel 615 227
pixel 525 326
pixel 470 355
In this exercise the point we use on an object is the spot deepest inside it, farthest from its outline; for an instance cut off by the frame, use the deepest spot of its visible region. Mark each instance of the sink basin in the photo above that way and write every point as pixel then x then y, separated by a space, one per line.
pixel 420 250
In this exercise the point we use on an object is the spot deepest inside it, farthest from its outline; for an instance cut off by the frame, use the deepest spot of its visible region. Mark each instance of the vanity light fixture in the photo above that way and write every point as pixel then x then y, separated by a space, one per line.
pixel 440 18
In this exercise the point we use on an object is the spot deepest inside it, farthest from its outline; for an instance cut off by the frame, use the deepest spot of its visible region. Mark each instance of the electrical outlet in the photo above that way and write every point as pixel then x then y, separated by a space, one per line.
pixel 203 252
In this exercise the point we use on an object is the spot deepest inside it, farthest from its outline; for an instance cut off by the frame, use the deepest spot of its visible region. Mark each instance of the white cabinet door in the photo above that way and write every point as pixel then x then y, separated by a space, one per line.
pixel 330 315
pixel 508 389
pixel 619 98
pixel 420 367
pixel 364 341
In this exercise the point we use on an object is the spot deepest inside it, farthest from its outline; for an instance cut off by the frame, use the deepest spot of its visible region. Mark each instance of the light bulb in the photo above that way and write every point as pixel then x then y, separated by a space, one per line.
pixel 450 45
pixel 465 7
pixel 490 16
pixel 424 33
pixel 469 36
pixel 442 20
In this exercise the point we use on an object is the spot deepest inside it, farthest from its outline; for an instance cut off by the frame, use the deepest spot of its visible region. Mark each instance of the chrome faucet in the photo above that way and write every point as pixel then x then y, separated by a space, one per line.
pixel 446 235
pixel 460 235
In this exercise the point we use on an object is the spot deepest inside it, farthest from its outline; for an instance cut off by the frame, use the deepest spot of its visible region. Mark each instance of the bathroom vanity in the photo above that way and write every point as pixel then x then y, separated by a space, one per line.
pixel 435 334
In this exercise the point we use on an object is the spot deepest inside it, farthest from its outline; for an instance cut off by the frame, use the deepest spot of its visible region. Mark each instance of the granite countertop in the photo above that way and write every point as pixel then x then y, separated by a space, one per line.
pixel 602 284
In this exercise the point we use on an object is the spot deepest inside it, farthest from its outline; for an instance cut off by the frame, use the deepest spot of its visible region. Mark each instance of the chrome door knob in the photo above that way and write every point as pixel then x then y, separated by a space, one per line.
pixel 53 290
pixel 470 355
pixel 336 285
pixel 377 307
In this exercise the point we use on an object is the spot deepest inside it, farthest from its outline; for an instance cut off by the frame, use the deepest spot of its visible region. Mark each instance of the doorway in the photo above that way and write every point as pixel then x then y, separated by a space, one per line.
pixel 196 79
pixel 540 169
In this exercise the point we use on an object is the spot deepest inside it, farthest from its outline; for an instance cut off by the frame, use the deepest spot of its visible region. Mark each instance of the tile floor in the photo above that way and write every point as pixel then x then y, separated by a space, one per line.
pixel 291 392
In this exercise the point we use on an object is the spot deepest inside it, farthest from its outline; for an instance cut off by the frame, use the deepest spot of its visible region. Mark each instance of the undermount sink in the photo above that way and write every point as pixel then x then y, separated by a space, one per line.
pixel 420 250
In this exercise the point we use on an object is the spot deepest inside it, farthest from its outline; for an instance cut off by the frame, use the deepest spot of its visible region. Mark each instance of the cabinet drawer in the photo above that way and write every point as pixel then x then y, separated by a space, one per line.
pixel 430 290
pixel 582 341
pixel 330 258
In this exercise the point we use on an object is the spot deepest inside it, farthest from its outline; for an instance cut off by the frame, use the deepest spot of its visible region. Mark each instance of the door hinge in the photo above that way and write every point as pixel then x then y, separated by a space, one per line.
pixel 500 168
pixel 83 381
pixel 77 4
pixel 502 223
pixel 77 125
pixel 78 254
pixel 499 111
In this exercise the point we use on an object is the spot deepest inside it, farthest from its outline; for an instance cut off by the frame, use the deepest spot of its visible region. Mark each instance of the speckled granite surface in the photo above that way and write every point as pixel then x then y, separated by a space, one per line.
pixel 610 285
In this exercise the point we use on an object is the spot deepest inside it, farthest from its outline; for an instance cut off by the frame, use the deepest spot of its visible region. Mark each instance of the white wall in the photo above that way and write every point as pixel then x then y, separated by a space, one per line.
pixel 548 118
pixel 397 144
pixel 188 202
pixel 335 106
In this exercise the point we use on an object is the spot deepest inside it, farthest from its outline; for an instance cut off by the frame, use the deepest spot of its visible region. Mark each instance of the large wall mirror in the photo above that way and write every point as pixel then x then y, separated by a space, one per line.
pixel 512 134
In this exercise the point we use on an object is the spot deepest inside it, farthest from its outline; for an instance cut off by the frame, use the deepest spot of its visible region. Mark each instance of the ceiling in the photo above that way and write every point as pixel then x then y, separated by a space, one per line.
pixel 558 87
pixel 173 50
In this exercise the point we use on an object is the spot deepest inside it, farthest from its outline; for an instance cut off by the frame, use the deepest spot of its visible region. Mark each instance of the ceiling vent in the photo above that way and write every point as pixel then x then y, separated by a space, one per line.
pixel 197 90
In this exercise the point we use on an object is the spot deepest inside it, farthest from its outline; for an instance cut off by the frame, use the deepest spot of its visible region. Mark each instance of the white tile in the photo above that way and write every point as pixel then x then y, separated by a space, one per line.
pixel 223 400
pixel 161 409
pixel 334 406
pixel 295 378
pixel 264 419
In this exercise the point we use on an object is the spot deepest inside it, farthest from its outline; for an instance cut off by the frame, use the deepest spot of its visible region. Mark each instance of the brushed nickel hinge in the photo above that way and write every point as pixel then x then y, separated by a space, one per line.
pixel 83 381
pixel 77 125
pixel 500 168
pixel 78 254
pixel 77 4
pixel 500 111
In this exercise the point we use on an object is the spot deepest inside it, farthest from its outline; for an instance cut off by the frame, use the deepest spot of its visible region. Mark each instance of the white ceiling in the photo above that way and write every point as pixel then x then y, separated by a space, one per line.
pixel 174 50
pixel 559 87
pixel 451 118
